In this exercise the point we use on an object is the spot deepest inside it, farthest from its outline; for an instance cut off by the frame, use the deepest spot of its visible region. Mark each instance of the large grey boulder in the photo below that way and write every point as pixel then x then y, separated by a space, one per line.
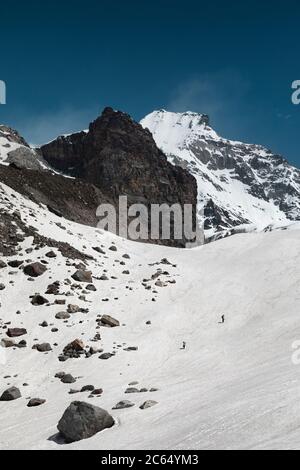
pixel 10 394
pixel 25 157
pixel 82 420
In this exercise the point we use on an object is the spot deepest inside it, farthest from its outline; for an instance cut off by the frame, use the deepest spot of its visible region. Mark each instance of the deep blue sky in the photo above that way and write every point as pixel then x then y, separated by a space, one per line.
pixel 64 61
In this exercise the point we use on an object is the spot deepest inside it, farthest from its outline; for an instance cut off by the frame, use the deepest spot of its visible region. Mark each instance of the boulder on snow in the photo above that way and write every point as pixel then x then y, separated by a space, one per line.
pixel 82 420
pixel 91 287
pixel 35 269
pixel 51 254
pixel 107 320
pixel 16 263
pixel 123 404
pixel 10 394
pixel 83 276
pixel 67 379
pixel 62 316
pixel 35 402
pixel 15 332
pixel 76 345
pixel 132 390
pixel 87 388
pixel 99 250
pixel 38 300
pixel 106 356
pixel 26 158
pixel 44 347
pixel 73 350
pixel 73 308
pixel 53 288
pixel 7 343
pixel 148 404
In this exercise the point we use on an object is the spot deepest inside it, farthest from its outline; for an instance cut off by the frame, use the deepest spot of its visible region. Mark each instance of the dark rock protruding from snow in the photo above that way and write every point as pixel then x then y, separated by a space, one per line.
pixel 35 269
pixel 15 332
pixel 44 347
pixel 38 300
pixel 107 320
pixel 123 404
pixel 10 394
pixel 82 421
pixel 148 404
pixel 35 402
pixel 83 276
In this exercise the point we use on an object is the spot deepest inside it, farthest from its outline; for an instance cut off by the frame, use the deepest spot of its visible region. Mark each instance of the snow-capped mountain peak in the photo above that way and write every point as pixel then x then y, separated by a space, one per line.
pixel 174 129
pixel 240 186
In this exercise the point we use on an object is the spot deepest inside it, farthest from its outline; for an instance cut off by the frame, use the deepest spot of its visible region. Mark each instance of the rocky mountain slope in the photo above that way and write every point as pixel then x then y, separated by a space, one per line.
pixel 87 316
pixel 121 158
pixel 115 157
pixel 14 150
pixel 240 186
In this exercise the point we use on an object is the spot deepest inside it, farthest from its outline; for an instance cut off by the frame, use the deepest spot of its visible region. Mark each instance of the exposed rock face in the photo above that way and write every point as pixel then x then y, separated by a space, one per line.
pixel 121 158
pixel 82 420
pixel 73 199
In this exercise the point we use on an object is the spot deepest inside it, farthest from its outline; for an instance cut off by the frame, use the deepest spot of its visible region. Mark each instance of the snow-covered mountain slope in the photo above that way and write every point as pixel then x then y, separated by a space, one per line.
pixel 238 184
pixel 15 150
pixel 234 386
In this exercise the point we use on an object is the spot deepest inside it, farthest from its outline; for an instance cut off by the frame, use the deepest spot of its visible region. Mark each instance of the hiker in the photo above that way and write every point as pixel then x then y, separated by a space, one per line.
pixel 223 319
pixel 183 345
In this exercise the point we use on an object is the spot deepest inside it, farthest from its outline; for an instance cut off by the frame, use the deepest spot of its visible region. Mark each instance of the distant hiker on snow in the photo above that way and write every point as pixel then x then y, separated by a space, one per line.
pixel 183 345
pixel 222 319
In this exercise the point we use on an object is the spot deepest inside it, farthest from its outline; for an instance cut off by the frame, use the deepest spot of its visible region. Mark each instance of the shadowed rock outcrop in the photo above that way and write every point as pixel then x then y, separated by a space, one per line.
pixel 121 158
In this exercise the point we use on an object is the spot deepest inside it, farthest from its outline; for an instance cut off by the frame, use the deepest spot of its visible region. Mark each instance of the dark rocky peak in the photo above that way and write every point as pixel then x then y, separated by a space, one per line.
pixel 120 157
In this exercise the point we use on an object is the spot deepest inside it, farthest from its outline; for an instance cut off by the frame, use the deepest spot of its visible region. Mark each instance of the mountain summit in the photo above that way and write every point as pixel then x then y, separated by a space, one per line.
pixel 121 158
pixel 240 186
